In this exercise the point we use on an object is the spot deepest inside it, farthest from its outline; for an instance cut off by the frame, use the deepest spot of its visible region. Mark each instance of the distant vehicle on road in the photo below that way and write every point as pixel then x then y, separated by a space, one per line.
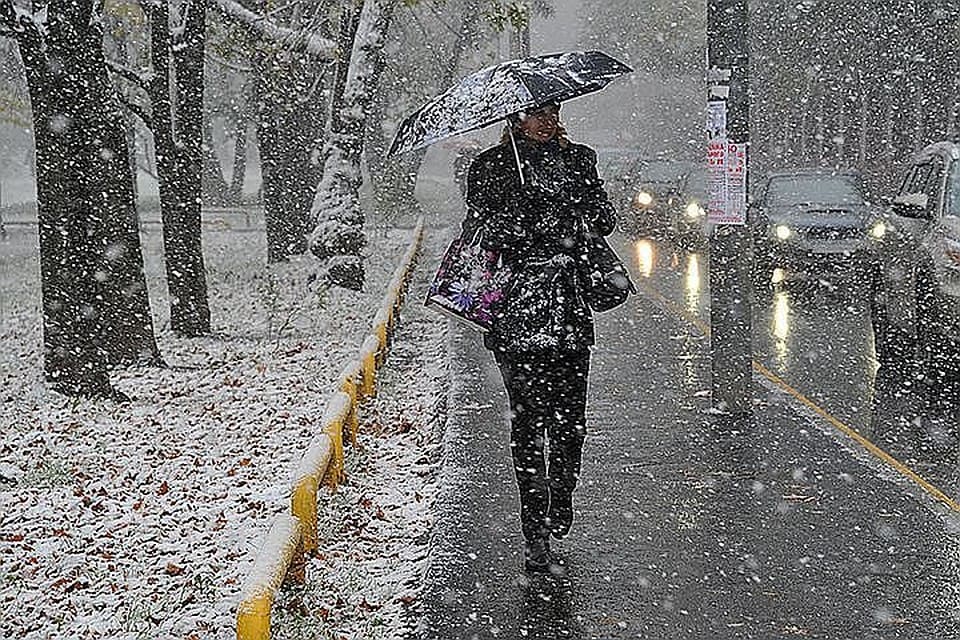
pixel 667 201
pixel 813 221
pixel 916 295
pixel 614 165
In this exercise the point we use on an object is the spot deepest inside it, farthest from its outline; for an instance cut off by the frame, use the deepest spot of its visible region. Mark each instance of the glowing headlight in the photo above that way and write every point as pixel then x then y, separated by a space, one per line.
pixel 694 211
pixel 878 229
pixel 783 231
pixel 644 199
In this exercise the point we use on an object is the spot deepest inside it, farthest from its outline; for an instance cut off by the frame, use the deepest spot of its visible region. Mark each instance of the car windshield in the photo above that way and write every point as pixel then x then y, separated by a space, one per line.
pixel 813 189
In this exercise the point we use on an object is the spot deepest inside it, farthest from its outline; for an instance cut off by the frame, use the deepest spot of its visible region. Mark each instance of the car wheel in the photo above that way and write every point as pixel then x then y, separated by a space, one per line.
pixel 895 346
pixel 936 352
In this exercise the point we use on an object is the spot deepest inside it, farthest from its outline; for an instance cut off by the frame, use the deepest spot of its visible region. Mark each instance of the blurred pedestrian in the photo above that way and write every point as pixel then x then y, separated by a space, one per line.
pixel 542 337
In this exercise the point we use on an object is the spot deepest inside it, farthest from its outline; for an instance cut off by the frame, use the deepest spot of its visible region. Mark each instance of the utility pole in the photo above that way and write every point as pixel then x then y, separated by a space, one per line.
pixel 731 246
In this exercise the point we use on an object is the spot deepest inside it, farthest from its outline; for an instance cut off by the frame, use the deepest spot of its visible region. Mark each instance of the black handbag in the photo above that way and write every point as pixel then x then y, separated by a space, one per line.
pixel 606 281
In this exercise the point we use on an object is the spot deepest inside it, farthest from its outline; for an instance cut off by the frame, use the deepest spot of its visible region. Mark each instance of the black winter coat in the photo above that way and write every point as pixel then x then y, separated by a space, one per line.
pixel 539 228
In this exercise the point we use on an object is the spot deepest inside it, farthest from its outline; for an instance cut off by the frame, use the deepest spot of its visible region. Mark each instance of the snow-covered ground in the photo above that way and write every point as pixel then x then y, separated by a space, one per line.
pixel 141 520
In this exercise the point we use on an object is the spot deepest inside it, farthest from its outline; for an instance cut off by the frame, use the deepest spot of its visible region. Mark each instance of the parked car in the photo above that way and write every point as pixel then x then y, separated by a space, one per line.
pixel 813 221
pixel 668 201
pixel 916 295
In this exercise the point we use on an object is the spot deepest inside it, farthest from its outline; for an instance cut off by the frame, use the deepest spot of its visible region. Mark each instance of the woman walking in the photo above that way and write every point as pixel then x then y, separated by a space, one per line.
pixel 542 337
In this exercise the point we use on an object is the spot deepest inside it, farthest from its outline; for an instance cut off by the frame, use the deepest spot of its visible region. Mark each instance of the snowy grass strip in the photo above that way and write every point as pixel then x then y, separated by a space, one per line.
pixel 280 559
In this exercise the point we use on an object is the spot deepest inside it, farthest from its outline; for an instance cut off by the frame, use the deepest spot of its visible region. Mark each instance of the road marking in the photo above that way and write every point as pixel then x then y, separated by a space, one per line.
pixel 835 422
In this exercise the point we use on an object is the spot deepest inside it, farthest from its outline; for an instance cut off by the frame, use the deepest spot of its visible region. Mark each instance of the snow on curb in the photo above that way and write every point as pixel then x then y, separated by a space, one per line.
pixel 255 609
pixel 375 530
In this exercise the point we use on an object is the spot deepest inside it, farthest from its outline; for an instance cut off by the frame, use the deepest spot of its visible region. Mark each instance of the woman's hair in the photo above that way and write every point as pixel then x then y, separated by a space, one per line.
pixel 513 121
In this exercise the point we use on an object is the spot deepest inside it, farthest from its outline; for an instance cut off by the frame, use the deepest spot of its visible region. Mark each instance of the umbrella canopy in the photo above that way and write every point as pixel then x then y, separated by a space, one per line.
pixel 492 94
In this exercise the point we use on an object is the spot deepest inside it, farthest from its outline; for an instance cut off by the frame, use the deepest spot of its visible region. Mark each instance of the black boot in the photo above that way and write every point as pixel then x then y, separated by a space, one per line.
pixel 560 514
pixel 536 555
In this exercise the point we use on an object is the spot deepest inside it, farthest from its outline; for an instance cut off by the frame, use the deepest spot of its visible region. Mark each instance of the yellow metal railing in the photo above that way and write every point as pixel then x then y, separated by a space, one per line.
pixel 292 536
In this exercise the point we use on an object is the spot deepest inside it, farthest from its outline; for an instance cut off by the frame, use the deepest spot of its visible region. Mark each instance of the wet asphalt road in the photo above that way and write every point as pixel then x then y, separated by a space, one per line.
pixel 689 527
pixel 813 332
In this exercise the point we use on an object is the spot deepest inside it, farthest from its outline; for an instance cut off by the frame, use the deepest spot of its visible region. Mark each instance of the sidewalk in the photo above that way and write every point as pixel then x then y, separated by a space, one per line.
pixel 685 527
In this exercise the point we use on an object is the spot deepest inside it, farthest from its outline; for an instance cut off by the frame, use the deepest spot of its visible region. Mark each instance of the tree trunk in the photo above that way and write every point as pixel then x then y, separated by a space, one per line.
pixel 126 308
pixel 214 185
pixel 283 163
pixel 290 116
pixel 235 188
pixel 338 237
pixel 179 165
pixel 95 308
pixel 188 60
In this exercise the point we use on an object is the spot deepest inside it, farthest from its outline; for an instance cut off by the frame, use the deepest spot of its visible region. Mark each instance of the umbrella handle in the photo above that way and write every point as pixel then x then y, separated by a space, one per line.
pixel 516 154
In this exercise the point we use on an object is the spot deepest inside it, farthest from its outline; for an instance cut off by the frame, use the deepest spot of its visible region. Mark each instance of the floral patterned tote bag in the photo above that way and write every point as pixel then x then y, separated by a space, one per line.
pixel 471 283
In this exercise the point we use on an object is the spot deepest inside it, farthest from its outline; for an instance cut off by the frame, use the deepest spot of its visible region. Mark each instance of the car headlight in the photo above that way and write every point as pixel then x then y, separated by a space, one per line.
pixel 878 229
pixel 643 199
pixel 694 211
pixel 782 231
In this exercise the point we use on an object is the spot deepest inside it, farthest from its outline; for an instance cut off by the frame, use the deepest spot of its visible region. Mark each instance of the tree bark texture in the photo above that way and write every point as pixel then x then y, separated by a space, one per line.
pixel 95 307
pixel 338 237
pixel 290 115
pixel 178 140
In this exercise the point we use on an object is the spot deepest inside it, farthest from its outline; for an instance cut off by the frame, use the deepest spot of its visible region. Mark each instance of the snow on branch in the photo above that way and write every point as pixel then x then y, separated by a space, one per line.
pixel 16 20
pixel 320 47
pixel 142 80
pixel 138 111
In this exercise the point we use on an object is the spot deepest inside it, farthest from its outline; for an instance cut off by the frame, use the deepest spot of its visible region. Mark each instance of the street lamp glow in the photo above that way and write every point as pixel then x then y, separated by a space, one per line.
pixel 878 230
pixel 783 231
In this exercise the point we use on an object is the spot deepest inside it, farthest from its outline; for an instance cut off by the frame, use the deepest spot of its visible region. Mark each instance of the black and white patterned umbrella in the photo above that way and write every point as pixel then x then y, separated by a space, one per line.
pixel 489 95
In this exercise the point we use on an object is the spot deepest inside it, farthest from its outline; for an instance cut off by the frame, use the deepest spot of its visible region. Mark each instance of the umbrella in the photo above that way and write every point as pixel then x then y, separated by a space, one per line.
pixel 492 94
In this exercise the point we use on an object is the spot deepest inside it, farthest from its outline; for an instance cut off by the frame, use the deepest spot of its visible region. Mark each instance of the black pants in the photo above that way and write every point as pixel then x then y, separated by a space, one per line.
pixel 548 398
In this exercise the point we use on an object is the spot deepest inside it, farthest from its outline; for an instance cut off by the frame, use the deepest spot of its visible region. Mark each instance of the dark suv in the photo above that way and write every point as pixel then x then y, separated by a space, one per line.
pixel 916 294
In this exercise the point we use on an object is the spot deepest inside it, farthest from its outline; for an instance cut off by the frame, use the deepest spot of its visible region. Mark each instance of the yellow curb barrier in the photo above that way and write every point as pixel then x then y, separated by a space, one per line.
pixel 350 385
pixel 306 480
pixel 280 559
pixel 381 323
pixel 334 418
pixel 368 358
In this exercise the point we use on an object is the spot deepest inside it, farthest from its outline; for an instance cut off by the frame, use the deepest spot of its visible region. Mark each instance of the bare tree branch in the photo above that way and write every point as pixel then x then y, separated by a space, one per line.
pixel 322 48
pixel 138 111
pixel 226 63
pixel 142 80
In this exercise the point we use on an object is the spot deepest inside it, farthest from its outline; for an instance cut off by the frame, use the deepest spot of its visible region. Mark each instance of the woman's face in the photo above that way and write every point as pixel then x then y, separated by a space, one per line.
pixel 540 125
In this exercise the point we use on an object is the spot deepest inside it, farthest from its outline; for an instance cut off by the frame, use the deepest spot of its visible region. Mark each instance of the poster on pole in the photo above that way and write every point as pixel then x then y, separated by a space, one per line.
pixel 716 179
pixel 736 170
pixel 726 170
